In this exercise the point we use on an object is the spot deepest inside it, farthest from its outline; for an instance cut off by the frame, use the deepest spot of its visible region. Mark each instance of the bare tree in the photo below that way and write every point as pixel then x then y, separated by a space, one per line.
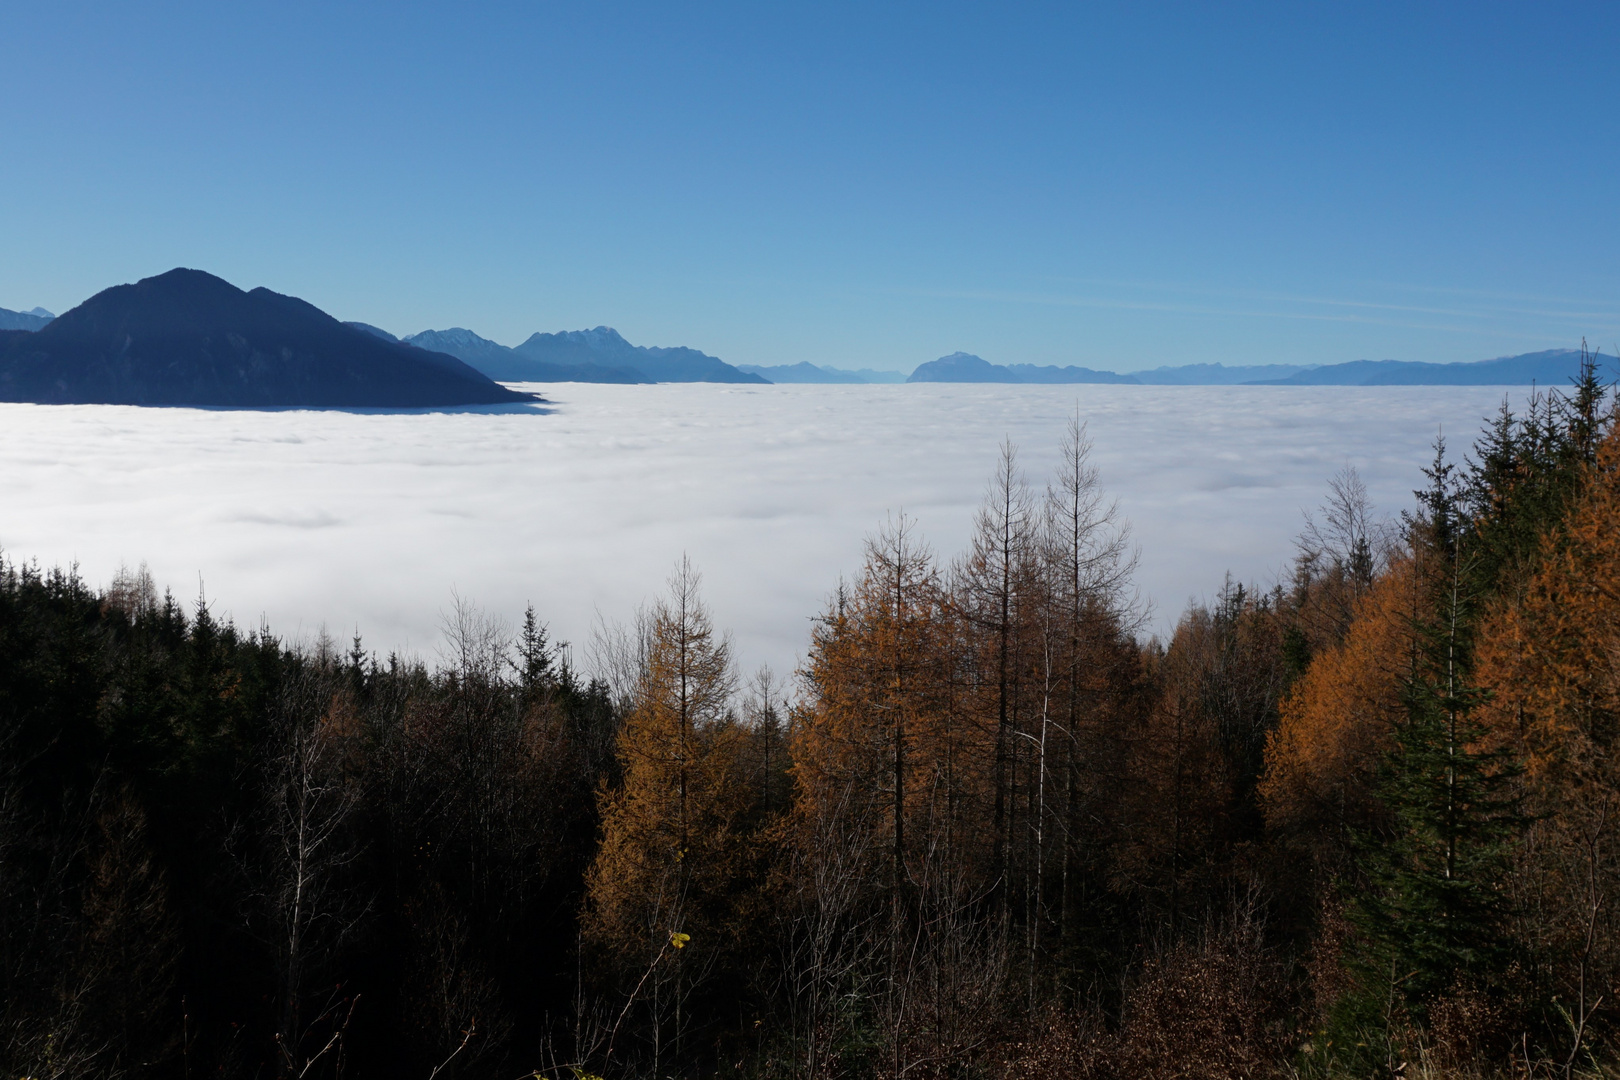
pixel 1087 537
pixel 766 712
pixel 1342 548
pixel 993 580
pixel 307 907
pixel 46 1031
pixel 618 654
pixel 477 645
pixel 831 930
pixel 132 592
pixel 1089 564
pixel 938 1004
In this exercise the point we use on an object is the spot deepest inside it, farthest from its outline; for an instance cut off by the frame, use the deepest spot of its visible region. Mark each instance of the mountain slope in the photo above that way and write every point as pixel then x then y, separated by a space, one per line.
pixel 374 331
pixel 605 347
pixel 965 367
pixel 189 338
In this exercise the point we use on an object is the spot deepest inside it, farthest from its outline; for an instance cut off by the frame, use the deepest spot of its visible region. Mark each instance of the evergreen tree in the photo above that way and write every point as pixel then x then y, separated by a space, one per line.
pixel 1435 913
pixel 536 668
pixel 1432 916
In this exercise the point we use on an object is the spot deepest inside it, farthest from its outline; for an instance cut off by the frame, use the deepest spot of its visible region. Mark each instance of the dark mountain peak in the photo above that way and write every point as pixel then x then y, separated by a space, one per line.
pixel 195 290
pixel 187 279
pixel 187 337
pixel 180 300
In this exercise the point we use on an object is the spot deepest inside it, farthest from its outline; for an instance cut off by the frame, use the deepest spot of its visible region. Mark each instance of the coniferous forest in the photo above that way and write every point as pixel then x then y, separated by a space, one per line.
pixel 1363 822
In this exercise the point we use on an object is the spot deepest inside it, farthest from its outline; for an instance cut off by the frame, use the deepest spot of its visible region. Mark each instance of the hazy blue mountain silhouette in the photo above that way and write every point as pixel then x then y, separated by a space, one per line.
pixel 965 367
pixel 499 362
pixel 189 338
pixel 806 372
pixel 605 347
pixel 37 319
pixel 868 374
pixel 1551 367
pixel 1218 374
pixel 802 372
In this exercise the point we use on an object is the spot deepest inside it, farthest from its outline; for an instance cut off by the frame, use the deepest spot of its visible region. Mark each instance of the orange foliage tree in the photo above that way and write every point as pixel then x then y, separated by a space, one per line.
pixel 676 852
pixel 1336 723
pixel 893 774
pixel 1551 661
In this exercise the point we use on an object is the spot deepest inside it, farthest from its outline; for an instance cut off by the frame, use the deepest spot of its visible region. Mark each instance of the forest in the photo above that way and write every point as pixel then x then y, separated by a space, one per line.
pixel 1363 821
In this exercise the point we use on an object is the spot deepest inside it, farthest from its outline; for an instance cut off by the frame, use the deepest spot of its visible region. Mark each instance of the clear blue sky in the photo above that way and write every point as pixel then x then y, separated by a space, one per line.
pixel 854 184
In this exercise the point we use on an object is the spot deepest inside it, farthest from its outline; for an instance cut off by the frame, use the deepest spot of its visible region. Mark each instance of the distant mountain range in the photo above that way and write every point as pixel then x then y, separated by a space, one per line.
pixel 1217 374
pixel 24 320
pixel 600 355
pixel 189 338
pixel 1552 367
pixel 965 367
pixel 805 372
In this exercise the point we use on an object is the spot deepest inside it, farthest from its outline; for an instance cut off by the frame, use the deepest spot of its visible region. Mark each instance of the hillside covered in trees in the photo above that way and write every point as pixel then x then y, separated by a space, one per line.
pixel 1361 823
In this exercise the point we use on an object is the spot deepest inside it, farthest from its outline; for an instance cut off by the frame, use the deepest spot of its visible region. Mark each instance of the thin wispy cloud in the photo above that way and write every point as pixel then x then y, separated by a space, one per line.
pixel 1460 319
pixel 1167 307
pixel 1584 306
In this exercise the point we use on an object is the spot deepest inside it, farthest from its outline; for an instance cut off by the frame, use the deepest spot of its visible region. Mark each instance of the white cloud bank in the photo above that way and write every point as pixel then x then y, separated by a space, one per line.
pixel 370 520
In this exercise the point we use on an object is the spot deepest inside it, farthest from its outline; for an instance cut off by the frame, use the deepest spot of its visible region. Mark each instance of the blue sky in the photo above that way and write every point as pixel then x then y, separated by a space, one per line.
pixel 856 185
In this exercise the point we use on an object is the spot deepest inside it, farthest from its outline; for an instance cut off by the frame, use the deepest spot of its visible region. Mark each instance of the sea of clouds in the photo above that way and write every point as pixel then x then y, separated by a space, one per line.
pixel 346 520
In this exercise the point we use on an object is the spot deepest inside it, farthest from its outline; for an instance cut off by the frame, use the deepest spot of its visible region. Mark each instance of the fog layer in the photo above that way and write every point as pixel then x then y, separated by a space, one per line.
pixel 372 520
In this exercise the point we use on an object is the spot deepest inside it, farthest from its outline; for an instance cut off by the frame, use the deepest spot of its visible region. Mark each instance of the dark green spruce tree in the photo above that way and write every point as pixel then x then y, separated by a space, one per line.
pixel 1429 913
